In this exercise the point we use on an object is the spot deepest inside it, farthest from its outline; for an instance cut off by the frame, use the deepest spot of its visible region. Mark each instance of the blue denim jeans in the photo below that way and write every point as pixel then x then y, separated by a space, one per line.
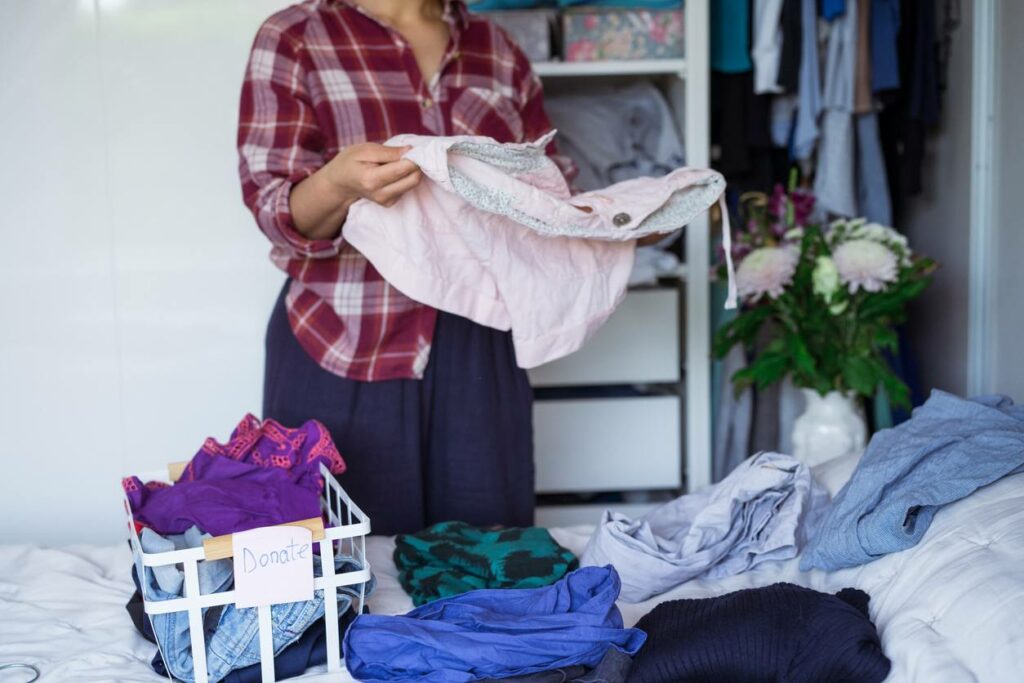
pixel 233 642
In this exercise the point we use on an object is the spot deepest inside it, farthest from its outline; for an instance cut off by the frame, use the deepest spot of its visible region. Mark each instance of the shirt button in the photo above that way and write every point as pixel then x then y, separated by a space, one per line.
pixel 621 219
pixel 426 102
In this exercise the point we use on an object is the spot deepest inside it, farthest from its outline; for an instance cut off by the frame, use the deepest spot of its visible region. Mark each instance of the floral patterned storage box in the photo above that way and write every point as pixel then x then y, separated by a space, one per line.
pixel 591 34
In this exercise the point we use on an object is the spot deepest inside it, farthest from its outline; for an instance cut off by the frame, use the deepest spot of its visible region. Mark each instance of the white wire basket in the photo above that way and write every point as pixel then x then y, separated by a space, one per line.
pixel 345 533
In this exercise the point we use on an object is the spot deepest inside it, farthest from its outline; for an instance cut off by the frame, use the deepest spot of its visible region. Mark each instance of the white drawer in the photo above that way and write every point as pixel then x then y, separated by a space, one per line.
pixel 551 516
pixel 639 344
pixel 616 444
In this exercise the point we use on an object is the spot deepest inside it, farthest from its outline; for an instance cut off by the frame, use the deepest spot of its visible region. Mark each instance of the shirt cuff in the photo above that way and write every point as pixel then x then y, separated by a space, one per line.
pixel 282 226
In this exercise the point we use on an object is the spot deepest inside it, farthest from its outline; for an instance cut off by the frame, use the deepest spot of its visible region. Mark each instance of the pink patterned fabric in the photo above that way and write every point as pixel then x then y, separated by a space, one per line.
pixel 269 444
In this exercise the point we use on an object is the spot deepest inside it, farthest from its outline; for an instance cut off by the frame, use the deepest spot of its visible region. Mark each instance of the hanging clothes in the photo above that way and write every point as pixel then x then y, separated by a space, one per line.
pixel 850 174
pixel 730 36
pixel 885 59
pixel 863 82
pixel 808 111
pixel 792 46
pixel 766 50
pixel 830 9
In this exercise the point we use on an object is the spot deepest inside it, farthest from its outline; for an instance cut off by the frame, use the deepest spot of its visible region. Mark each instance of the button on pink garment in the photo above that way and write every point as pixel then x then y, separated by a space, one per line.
pixel 494 235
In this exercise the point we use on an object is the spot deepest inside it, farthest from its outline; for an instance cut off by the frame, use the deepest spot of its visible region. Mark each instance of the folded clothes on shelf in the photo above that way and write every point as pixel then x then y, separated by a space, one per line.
pixel 532 30
pixel 453 557
pixel 764 510
pixel 775 633
pixel 495 633
pixel 641 138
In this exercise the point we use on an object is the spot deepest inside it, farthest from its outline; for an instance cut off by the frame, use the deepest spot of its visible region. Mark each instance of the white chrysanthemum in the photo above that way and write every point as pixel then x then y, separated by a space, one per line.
pixel 864 264
pixel 876 232
pixel 825 278
pixel 766 271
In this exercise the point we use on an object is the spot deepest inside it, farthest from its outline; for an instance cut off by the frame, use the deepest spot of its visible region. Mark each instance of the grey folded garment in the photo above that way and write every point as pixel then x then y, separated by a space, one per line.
pixel 764 510
pixel 642 138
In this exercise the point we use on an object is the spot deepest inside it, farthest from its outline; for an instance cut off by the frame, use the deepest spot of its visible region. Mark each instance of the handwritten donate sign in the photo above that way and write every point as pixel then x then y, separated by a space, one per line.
pixel 273 565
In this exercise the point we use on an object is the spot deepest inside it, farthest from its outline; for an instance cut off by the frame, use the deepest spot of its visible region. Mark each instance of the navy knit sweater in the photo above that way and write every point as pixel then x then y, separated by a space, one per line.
pixel 777 634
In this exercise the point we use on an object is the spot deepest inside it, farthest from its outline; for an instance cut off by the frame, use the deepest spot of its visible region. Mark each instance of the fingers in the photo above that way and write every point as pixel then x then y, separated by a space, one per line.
pixel 380 154
pixel 389 194
pixel 385 174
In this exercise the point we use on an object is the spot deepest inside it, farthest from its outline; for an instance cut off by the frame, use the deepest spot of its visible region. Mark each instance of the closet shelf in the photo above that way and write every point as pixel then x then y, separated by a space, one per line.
pixel 620 67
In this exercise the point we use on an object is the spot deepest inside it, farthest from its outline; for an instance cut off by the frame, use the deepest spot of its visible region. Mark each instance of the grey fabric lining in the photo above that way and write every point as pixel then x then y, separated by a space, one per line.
pixel 511 159
pixel 681 208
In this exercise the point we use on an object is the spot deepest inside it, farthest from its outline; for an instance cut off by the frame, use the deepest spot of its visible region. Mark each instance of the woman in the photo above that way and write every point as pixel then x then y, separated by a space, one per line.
pixel 429 409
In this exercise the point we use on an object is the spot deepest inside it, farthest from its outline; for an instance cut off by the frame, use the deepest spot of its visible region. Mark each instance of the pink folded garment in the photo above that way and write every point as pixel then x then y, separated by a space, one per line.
pixel 493 234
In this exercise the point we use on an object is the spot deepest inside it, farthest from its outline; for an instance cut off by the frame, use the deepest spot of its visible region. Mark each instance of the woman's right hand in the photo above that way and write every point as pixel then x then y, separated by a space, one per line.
pixel 320 203
pixel 374 172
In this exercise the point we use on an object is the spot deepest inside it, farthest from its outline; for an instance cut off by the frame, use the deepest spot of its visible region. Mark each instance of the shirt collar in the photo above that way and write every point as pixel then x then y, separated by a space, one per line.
pixel 455 12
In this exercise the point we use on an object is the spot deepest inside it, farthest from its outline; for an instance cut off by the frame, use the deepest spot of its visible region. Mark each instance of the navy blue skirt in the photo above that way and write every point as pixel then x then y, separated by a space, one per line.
pixel 456 445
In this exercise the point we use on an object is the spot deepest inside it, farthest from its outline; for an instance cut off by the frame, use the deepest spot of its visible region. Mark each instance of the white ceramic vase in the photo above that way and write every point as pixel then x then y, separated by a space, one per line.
pixel 831 426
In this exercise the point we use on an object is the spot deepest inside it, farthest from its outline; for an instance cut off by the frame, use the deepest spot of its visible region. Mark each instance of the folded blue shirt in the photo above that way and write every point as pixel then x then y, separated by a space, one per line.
pixel 495 633
pixel 948 449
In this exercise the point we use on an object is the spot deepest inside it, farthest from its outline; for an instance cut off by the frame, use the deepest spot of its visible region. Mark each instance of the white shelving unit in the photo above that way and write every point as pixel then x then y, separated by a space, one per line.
pixel 574 437
pixel 622 67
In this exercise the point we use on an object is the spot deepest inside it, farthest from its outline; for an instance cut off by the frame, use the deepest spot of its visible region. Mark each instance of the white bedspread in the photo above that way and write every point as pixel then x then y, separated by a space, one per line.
pixel 949 610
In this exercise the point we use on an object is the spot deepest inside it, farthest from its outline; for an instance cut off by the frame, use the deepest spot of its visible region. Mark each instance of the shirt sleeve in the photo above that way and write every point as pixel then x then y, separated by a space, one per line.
pixel 279 142
pixel 535 120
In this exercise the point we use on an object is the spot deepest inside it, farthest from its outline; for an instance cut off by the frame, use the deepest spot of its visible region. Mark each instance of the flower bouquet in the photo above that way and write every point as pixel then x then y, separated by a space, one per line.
pixel 830 294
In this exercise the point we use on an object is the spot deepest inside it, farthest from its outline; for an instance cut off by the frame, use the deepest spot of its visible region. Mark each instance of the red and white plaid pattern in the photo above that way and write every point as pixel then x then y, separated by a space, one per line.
pixel 324 75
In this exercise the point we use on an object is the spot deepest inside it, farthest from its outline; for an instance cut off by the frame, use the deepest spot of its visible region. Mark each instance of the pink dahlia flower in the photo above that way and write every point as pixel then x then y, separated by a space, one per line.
pixel 766 271
pixel 865 264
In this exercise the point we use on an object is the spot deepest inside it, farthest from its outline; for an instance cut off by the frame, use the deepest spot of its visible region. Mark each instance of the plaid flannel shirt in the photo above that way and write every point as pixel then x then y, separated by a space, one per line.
pixel 323 75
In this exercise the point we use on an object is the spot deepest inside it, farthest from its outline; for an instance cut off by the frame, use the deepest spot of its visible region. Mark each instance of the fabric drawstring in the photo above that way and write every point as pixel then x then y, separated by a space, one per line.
pixel 730 299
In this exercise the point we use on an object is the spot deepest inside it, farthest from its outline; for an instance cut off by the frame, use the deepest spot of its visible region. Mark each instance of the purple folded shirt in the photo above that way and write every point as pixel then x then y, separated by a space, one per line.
pixel 266 474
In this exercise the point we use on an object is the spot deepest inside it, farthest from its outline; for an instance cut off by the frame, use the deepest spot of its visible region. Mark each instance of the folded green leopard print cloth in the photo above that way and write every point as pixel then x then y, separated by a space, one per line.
pixel 453 557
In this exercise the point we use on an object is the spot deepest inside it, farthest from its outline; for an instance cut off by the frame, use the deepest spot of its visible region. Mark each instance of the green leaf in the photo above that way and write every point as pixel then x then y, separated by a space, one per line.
pixel 897 390
pixel 802 359
pixel 886 338
pixel 859 375
pixel 769 368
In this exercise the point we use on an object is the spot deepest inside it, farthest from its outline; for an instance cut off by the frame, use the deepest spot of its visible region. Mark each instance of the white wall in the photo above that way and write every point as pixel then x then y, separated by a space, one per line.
pixel 134 285
pixel 1008 216
pixel 939 225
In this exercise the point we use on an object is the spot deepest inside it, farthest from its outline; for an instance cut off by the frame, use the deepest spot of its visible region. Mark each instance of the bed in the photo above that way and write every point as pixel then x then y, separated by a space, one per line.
pixel 950 609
